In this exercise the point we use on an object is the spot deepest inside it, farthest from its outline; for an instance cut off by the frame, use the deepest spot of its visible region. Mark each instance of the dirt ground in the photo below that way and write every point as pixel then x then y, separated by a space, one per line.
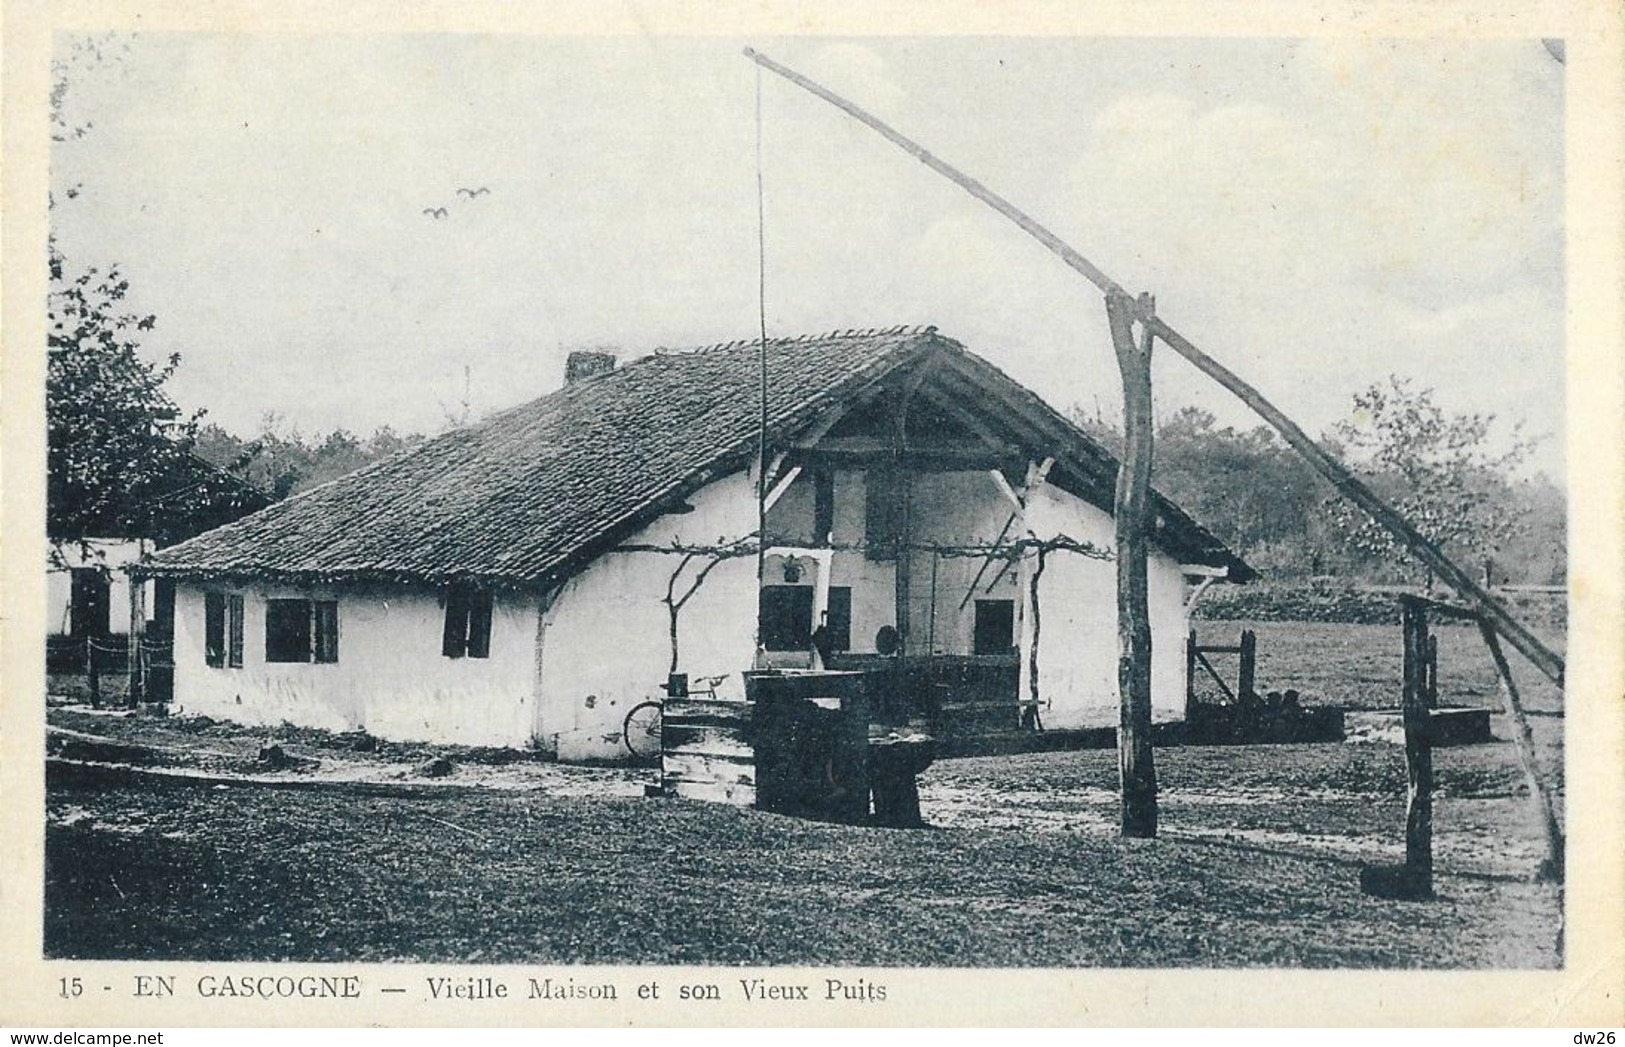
pixel 510 858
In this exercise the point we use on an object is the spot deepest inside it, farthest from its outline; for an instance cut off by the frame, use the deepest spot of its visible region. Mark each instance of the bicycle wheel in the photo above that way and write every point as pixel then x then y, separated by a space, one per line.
pixel 641 732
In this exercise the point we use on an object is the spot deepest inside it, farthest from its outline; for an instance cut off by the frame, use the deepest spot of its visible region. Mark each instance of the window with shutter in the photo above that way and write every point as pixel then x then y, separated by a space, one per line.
pixel 467 631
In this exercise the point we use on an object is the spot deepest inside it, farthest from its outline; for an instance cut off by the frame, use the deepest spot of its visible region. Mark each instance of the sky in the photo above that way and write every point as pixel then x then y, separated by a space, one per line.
pixel 1317 214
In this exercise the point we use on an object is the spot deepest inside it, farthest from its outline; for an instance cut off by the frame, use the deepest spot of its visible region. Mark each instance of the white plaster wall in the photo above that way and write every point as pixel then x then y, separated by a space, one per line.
pixel 111 553
pixel 956 509
pixel 1077 643
pixel 605 643
pixel 390 678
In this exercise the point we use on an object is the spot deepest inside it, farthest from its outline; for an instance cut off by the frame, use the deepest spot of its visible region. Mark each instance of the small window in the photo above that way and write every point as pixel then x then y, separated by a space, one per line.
pixel 301 631
pixel 882 509
pixel 786 617
pixel 995 626
pixel 468 624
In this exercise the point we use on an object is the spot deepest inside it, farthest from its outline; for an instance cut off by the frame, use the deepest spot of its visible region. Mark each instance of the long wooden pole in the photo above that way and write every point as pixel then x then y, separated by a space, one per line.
pixel 1524 740
pixel 1132 511
pixel 1548 661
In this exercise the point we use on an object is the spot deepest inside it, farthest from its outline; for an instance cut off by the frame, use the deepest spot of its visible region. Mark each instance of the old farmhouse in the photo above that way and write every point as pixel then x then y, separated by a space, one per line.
pixel 525 581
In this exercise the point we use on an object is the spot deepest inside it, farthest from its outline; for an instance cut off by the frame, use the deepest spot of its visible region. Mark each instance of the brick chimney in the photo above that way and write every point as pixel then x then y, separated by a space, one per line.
pixel 587 363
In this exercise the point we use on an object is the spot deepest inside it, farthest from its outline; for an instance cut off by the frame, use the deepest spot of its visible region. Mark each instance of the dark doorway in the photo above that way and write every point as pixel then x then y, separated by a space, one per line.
pixel 995 627
pixel 90 603
pixel 786 617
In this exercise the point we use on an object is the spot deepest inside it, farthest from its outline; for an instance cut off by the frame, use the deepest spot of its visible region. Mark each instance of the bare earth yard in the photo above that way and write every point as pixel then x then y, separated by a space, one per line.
pixel 1257 863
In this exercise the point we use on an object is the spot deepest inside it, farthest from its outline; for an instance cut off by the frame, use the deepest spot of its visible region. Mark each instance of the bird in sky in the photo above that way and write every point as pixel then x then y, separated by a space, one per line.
pixel 472 193
pixel 436 213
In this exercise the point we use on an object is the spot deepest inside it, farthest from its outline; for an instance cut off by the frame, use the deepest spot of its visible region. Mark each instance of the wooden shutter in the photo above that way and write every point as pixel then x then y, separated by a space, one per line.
pixel 325 620
pixel 839 622
pixel 479 625
pixel 234 631
pixel 454 638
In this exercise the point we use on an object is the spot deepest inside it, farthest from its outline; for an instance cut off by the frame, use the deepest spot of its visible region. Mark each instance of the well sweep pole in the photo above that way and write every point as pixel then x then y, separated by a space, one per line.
pixel 1548 661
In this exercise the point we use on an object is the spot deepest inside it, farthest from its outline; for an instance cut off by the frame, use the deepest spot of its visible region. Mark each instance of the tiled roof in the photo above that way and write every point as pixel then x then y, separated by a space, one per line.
pixel 530 493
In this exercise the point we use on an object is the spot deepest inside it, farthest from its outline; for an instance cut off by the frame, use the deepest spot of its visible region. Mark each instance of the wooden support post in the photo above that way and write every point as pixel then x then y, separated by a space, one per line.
pixel 1247 679
pixel 1418 752
pixel 1433 672
pixel 138 630
pixel 1132 510
pixel 93 676
pixel 931 633
pixel 1190 675
pixel 825 559
pixel 1552 867
pixel 905 533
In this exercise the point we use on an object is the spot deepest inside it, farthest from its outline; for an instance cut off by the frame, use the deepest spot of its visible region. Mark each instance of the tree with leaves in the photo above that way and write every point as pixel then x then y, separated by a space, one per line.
pixel 1440 470
pixel 117 443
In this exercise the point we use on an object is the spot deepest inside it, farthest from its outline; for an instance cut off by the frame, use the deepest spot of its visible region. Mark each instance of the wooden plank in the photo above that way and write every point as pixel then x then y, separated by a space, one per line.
pixel 1322 462
pixel 1418 753
pixel 1133 519
pixel 1524 740
pixel 692 767
pixel 705 710
pixel 1201 659
pixel 712 740
pixel 782 486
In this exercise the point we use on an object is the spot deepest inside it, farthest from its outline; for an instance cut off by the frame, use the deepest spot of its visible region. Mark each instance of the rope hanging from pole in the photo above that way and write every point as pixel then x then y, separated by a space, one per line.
pixel 761 313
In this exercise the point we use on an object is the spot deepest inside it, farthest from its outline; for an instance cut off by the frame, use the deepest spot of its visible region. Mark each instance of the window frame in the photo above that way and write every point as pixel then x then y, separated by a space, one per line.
pixel 314 642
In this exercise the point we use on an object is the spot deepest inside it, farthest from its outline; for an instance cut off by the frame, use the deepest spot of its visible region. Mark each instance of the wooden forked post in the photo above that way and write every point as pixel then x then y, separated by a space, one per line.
pixel 1133 519
pixel 1414 879
pixel 1418 751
